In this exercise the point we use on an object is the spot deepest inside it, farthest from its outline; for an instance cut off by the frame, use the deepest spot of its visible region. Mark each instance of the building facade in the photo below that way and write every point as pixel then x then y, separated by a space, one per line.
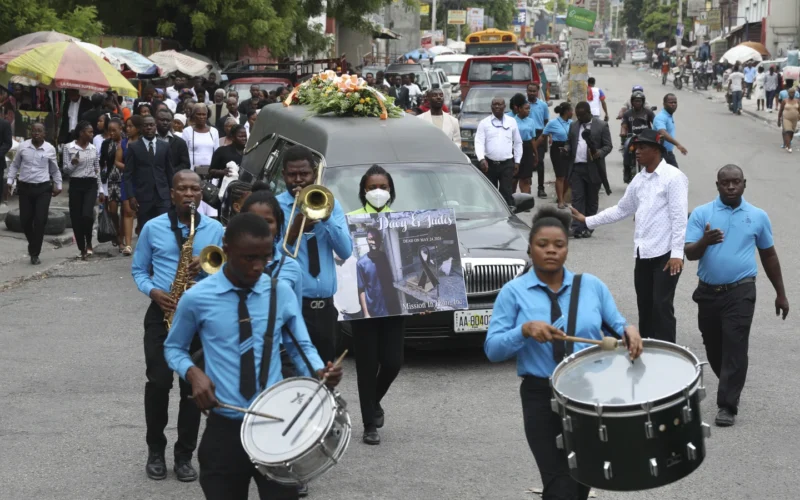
pixel 774 23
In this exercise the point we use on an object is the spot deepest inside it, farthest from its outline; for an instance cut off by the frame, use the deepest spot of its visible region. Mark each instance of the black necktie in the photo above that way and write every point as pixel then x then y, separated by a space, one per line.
pixel 151 150
pixel 313 256
pixel 559 346
pixel 247 376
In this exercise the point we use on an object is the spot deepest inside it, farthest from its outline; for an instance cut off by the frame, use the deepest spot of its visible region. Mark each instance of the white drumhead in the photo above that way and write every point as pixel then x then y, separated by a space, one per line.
pixel 263 439
pixel 609 378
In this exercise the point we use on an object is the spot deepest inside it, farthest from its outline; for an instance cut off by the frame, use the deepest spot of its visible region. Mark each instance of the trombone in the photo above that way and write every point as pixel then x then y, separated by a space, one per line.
pixel 314 202
pixel 212 258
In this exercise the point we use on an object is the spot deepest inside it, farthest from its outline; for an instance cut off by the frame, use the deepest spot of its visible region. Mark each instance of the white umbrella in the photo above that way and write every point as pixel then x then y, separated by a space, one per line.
pixel 100 52
pixel 171 61
pixel 740 54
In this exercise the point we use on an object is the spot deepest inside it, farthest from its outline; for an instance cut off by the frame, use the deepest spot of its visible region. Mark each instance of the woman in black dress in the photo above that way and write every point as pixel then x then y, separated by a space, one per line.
pixel 231 153
pixel 521 110
pixel 111 175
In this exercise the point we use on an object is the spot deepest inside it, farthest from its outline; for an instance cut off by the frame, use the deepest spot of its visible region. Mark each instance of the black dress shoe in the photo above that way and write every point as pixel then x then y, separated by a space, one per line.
pixel 371 436
pixel 184 470
pixel 586 234
pixel 379 417
pixel 302 491
pixel 35 260
pixel 542 193
pixel 725 418
pixel 156 467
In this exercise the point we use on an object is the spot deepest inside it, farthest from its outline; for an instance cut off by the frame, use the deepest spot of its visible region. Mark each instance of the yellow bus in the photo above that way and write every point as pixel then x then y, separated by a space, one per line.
pixel 490 42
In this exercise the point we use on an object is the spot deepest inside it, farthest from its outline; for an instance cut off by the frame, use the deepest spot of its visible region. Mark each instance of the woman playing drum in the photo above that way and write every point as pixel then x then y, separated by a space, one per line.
pixel 529 315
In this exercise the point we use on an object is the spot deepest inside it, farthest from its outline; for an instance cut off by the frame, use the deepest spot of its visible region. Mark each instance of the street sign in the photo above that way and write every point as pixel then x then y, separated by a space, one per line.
pixel 694 7
pixel 424 9
pixel 679 30
pixel 581 19
pixel 521 18
pixel 475 19
pixel 456 17
pixel 714 18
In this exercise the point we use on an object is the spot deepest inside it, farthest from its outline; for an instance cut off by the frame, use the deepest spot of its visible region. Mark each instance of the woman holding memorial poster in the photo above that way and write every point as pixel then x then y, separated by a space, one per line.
pixel 378 338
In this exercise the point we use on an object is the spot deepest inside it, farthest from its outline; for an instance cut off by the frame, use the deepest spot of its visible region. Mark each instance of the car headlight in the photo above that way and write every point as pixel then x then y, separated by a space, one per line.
pixel 467 134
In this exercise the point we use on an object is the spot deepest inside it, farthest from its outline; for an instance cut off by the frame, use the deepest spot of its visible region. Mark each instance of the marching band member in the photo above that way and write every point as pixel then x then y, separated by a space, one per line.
pixel 159 247
pixel 522 325
pixel 234 347
pixel 321 239
pixel 378 342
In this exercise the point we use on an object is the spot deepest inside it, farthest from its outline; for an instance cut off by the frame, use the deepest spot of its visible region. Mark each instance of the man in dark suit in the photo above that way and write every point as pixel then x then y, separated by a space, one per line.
pixel 93 115
pixel 589 144
pixel 148 175
pixel 72 110
pixel 6 142
pixel 178 149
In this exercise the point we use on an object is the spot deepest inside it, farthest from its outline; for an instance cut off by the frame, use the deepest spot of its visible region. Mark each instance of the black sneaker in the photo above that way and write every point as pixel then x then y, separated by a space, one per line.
pixel 371 436
pixel 184 470
pixel 156 467
pixel 725 418
pixel 542 193
pixel 35 260
pixel 379 417
pixel 586 234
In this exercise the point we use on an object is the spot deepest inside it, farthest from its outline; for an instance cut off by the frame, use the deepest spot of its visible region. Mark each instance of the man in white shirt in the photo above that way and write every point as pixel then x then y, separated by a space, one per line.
pixel 174 92
pixel 498 147
pixel 441 120
pixel 74 107
pixel 199 91
pixel 658 196
pixel 735 85
pixel 414 91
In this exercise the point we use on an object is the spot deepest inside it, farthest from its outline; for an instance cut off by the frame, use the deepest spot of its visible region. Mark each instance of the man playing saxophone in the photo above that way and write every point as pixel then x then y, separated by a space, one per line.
pixel 158 262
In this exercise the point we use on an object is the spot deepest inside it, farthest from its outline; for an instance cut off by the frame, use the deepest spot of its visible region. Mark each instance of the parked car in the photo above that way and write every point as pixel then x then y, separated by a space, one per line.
pixel 554 79
pixel 603 56
pixel 371 69
pixel 478 105
pixel 452 65
pixel 439 80
pixel 639 56
pixel 429 171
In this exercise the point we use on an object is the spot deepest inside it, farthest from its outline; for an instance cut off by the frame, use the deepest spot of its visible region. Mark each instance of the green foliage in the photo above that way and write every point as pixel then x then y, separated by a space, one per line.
pixel 651 19
pixel 631 17
pixel 20 18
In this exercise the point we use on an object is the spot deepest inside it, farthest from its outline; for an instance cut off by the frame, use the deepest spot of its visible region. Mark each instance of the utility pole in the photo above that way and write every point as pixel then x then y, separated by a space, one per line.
pixel 679 39
pixel 555 13
pixel 433 19
pixel 579 58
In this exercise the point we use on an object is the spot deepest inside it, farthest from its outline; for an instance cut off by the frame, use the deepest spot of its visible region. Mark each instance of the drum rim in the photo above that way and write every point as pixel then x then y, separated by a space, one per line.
pixel 628 409
pixel 248 418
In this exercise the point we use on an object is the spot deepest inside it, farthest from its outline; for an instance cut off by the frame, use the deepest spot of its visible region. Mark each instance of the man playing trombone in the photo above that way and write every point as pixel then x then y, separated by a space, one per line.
pixel 313 241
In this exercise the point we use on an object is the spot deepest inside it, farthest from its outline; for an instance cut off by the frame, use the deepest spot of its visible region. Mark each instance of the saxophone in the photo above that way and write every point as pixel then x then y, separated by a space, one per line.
pixel 181 282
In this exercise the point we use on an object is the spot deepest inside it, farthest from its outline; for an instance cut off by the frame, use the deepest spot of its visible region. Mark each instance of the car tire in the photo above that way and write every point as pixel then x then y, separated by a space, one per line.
pixel 56 222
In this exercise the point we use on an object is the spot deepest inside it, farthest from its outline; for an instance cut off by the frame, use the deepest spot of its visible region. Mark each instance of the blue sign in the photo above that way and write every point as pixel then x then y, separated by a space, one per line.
pixel 521 18
pixel 679 30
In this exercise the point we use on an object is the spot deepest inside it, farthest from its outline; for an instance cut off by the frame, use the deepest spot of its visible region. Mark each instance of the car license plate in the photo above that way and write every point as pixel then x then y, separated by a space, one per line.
pixel 476 320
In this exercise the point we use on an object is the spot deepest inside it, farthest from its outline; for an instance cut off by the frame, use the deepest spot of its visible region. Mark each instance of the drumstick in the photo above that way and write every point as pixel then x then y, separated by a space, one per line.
pixel 319 386
pixel 243 410
pixel 607 344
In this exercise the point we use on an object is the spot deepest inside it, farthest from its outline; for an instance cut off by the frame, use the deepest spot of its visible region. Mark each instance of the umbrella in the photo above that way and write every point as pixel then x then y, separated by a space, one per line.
pixel 791 73
pixel 440 50
pixel 134 60
pixel 33 39
pixel 66 65
pixel 100 52
pixel 757 47
pixel 171 61
pixel 416 54
pixel 740 54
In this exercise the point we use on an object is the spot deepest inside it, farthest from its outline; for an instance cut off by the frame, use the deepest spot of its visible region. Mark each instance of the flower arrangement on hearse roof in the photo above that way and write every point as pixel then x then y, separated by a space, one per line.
pixel 346 95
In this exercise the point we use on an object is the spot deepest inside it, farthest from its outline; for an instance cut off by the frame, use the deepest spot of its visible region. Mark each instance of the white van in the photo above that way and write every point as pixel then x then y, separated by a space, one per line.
pixel 452 64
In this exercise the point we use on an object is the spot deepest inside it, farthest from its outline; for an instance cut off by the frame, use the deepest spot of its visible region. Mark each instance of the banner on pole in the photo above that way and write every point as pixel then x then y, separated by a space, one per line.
pixel 581 19
pixel 475 19
pixel 456 17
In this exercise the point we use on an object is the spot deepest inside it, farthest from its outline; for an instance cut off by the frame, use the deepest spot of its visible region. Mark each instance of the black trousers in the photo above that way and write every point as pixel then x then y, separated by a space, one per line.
pixel 82 199
pixel 670 158
pixel 225 468
pixel 501 175
pixel 322 324
pixel 156 391
pixel 34 203
pixel 655 292
pixel 585 194
pixel 724 319
pixel 542 425
pixel 540 154
pixel 378 344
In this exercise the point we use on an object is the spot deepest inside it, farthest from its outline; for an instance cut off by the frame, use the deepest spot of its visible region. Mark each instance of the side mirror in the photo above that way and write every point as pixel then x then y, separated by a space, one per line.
pixel 435 85
pixel 456 109
pixel 523 202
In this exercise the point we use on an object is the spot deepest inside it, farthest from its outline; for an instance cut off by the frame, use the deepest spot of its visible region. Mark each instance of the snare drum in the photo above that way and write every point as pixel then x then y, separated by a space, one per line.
pixel 631 426
pixel 315 443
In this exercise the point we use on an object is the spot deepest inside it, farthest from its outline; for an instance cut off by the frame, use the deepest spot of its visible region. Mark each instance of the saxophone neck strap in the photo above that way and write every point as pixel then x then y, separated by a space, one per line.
pixel 176 230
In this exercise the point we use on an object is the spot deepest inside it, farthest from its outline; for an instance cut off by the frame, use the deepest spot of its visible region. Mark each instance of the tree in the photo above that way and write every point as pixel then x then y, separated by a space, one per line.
pixel 20 18
pixel 632 17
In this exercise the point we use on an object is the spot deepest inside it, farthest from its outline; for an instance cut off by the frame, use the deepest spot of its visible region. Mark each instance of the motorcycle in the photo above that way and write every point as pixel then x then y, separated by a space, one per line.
pixel 677 80
pixel 630 167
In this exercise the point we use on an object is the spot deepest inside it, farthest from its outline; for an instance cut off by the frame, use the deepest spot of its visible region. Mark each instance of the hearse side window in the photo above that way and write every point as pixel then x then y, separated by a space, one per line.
pixel 274 168
pixel 480 71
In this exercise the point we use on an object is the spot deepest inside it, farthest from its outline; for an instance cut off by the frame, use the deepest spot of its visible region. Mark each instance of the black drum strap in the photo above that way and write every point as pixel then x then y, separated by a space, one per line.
pixel 311 370
pixel 573 311
pixel 266 355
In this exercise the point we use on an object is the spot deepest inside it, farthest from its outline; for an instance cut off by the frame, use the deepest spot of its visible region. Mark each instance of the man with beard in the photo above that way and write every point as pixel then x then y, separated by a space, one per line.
pixel 437 116
pixel 726 292
pixel 376 291
pixel 634 120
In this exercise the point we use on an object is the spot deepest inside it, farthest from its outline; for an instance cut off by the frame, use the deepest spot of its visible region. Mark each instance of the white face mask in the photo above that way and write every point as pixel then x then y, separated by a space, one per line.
pixel 378 198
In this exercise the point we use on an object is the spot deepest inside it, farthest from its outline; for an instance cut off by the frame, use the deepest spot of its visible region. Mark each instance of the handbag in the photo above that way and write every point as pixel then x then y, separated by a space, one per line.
pixel 105 228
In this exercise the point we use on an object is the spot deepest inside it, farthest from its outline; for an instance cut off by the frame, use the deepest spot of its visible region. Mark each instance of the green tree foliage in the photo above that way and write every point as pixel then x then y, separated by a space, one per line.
pixel 654 21
pixel 632 17
pixel 20 18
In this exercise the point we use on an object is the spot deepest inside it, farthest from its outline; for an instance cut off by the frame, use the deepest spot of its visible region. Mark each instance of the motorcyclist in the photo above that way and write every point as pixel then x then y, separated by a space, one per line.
pixel 627 106
pixel 639 117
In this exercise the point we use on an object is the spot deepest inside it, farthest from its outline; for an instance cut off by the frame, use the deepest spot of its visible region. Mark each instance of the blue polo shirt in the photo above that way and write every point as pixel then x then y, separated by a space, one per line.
pixel 526 126
pixel 558 129
pixel 665 121
pixel 744 229
pixel 540 113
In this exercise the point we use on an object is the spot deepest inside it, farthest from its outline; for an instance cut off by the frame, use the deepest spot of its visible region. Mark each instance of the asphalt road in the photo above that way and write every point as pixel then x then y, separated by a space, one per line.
pixel 72 368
